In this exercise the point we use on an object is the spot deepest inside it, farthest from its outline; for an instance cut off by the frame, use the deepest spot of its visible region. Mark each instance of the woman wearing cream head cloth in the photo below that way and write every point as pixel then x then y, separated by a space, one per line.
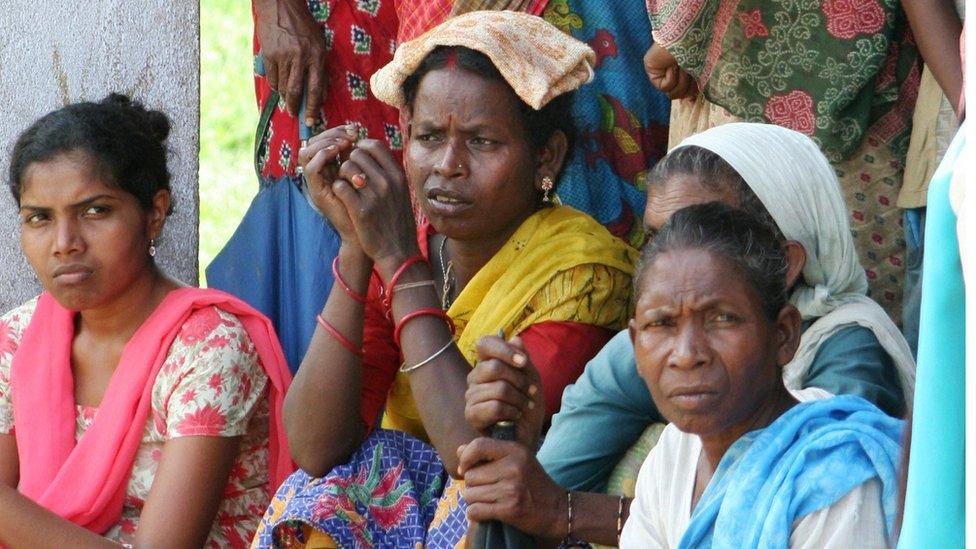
pixel 833 287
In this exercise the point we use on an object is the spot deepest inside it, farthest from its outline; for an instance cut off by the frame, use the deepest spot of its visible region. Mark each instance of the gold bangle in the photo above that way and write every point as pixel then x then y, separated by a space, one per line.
pixel 407 369
pixel 408 285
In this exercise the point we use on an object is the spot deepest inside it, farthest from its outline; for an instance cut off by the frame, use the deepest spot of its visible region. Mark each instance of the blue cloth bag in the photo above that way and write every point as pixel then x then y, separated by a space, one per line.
pixel 279 258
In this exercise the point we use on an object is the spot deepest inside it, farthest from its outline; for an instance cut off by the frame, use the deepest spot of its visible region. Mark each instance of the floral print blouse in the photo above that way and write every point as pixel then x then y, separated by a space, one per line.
pixel 211 384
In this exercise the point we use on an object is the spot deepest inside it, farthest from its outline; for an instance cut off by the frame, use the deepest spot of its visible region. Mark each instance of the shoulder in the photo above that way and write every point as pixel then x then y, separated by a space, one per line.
pixel 209 340
pixel 853 335
pixel 206 323
pixel 855 520
pixel 12 326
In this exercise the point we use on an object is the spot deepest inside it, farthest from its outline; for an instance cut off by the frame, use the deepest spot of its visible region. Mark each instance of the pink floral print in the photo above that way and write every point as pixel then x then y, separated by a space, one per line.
pixel 211 384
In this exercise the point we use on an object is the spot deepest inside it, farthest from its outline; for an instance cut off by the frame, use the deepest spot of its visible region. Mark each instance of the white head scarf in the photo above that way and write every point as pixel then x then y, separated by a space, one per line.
pixel 796 184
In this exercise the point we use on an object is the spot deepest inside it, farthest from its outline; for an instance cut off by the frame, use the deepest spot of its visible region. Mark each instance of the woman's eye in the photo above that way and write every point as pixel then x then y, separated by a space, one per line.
pixel 658 323
pixel 35 219
pixel 428 137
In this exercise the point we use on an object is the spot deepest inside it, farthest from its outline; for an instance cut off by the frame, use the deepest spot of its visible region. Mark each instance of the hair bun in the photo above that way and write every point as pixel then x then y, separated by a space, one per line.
pixel 155 123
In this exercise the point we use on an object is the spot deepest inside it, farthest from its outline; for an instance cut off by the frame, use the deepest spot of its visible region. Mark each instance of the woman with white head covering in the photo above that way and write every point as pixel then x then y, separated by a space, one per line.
pixel 848 346
pixel 791 177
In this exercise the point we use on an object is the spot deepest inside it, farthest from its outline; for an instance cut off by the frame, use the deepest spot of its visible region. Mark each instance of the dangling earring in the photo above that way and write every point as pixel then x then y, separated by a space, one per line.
pixel 152 247
pixel 546 187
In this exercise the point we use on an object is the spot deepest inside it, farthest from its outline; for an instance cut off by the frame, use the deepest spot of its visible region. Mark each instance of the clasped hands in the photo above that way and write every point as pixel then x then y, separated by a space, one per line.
pixel 360 188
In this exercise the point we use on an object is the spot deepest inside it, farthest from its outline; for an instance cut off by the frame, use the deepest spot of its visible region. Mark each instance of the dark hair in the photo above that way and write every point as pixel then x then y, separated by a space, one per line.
pixel 715 174
pixel 540 125
pixel 126 140
pixel 738 236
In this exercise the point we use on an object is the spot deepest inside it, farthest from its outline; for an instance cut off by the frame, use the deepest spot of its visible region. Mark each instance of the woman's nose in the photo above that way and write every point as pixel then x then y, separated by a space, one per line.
pixel 68 239
pixel 451 163
pixel 690 348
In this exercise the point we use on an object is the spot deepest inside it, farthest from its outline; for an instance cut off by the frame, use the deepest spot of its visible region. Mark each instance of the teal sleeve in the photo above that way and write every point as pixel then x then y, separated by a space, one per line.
pixel 935 502
pixel 853 362
pixel 601 416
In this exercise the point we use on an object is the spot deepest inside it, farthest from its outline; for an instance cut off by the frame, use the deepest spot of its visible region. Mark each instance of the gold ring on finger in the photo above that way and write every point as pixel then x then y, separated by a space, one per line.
pixel 359 180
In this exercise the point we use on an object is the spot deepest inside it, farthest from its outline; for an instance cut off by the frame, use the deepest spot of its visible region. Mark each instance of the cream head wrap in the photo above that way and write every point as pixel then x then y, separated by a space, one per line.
pixel 792 178
pixel 537 60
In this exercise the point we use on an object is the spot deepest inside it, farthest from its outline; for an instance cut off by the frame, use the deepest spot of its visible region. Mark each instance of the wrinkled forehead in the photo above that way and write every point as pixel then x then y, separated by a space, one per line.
pixel 680 191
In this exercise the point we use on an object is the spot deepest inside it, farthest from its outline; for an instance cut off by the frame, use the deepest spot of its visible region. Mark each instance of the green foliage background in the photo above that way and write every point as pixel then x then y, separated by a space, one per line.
pixel 228 116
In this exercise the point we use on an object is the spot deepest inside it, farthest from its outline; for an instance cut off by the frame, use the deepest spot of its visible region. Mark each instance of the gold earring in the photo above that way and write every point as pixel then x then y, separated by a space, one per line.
pixel 546 187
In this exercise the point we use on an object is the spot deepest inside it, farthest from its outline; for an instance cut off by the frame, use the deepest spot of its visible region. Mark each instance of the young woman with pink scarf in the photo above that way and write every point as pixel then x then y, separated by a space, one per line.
pixel 133 409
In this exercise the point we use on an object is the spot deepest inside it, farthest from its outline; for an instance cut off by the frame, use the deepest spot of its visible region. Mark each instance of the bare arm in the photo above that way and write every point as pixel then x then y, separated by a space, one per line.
pixel 321 411
pixel 504 481
pixel 24 523
pixel 186 491
pixel 9 462
pixel 937 29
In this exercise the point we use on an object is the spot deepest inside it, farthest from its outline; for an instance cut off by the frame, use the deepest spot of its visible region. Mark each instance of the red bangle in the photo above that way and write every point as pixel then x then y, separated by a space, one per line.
pixel 423 311
pixel 342 283
pixel 343 340
pixel 388 295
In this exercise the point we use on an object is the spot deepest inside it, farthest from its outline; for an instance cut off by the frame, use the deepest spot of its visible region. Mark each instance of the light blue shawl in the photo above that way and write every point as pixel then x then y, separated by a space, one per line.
pixel 808 459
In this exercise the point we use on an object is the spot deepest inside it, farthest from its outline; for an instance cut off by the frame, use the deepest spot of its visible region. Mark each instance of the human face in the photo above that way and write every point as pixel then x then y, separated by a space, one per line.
pixel 85 238
pixel 680 191
pixel 468 158
pixel 703 345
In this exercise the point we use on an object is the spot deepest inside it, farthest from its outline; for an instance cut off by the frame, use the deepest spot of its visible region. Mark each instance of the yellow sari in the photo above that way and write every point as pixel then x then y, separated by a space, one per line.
pixel 560 265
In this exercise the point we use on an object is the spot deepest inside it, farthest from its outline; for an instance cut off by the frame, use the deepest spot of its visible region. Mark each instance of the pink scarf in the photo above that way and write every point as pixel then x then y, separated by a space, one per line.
pixel 86 482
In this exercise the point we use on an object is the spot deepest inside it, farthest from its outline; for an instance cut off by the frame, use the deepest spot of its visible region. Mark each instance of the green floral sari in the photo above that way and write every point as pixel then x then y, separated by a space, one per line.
pixel 835 70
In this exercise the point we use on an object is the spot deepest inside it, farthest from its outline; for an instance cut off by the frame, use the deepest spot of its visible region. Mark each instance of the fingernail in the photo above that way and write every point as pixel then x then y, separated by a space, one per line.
pixel 533 390
pixel 309 122
pixel 531 405
pixel 330 148
pixel 519 359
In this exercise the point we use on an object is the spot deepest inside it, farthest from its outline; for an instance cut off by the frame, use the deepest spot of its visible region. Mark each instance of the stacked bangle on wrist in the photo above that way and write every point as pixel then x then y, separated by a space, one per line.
pixel 407 369
pixel 342 283
pixel 423 311
pixel 388 297
pixel 343 340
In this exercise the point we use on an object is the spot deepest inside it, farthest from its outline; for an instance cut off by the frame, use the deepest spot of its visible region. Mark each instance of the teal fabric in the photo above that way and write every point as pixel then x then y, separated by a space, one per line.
pixel 935 499
pixel 606 410
pixel 854 363
pixel 805 461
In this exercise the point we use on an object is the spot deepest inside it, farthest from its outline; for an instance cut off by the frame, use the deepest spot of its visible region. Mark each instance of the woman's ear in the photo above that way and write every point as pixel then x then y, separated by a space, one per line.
pixel 406 121
pixel 796 259
pixel 158 211
pixel 787 339
pixel 551 157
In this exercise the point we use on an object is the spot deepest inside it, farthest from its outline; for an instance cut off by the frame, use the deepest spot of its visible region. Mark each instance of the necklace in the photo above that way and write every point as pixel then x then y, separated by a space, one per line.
pixel 448 279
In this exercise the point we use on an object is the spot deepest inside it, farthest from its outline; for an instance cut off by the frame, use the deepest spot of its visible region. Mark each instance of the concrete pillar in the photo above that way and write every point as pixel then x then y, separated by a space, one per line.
pixel 54 53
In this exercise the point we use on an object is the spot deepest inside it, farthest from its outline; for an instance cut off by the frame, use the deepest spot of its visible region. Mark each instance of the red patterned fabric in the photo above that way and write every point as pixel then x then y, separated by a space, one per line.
pixel 360 37
pixel 848 18
pixel 793 110
pixel 419 16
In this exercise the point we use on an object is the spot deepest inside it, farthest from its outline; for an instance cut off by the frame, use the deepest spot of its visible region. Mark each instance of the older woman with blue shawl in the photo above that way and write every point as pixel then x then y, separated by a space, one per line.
pixel 746 462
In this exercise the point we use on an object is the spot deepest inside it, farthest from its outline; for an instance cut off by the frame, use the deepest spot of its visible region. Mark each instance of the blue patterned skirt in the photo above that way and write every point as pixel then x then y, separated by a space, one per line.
pixel 393 492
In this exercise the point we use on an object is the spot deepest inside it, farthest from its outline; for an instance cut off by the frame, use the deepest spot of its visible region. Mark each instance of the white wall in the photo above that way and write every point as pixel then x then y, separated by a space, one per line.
pixel 53 53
